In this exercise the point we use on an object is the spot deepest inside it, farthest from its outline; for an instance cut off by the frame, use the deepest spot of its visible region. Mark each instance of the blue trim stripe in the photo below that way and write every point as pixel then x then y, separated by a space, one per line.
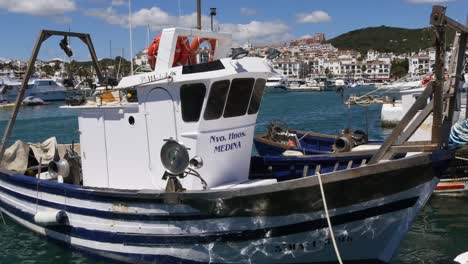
pixel 223 236
pixel 109 214
pixel 79 192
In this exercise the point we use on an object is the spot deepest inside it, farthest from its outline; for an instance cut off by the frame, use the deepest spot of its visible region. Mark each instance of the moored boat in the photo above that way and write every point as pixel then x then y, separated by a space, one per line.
pixel 184 189
pixel 46 89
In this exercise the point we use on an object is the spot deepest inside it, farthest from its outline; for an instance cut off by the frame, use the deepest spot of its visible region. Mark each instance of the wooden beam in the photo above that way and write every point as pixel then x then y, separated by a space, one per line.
pixel 19 98
pixel 457 62
pixel 439 32
pixel 415 148
pixel 418 105
pixel 438 18
pixel 87 40
pixel 43 35
pixel 422 116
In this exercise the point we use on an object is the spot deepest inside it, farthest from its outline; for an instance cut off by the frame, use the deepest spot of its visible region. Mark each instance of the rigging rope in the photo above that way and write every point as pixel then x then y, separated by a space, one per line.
pixel 325 207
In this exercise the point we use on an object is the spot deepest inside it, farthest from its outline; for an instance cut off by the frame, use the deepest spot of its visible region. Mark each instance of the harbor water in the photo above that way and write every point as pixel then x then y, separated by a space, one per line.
pixel 437 236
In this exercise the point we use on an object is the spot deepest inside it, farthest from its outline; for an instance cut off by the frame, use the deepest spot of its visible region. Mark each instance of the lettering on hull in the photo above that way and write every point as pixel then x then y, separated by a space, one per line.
pixel 224 143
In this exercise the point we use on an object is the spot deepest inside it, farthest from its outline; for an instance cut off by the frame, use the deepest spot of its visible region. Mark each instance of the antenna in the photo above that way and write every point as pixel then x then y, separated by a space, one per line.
pixel 180 12
pixel 199 14
pixel 130 31
pixel 147 36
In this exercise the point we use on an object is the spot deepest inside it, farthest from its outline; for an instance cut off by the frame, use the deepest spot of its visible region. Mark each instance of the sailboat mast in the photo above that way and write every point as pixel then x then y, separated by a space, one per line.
pixel 130 31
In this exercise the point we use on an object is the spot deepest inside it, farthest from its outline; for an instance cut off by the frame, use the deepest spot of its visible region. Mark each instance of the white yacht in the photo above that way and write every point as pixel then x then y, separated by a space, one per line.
pixel 46 89
pixel 276 83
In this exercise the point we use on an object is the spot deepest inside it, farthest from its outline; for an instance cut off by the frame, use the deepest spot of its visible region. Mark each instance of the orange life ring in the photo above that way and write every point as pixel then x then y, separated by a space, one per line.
pixel 181 54
pixel 196 44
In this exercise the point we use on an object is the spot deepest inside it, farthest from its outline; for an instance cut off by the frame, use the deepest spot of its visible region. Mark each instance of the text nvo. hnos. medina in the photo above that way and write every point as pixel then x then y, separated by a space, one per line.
pixel 227 143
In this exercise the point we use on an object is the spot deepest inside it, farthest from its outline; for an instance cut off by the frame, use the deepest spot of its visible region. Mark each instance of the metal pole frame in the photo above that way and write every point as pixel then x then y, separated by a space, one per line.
pixel 44 35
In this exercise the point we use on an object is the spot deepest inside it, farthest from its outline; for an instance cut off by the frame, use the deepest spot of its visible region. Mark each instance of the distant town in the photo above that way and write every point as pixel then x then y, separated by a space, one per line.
pixel 299 59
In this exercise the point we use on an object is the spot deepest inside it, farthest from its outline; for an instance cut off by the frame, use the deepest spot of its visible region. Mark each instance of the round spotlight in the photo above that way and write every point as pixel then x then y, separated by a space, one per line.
pixel 238 53
pixel 174 157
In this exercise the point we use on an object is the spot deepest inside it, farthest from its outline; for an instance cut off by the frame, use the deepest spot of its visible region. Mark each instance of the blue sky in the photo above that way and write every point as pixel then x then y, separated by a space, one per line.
pixel 257 21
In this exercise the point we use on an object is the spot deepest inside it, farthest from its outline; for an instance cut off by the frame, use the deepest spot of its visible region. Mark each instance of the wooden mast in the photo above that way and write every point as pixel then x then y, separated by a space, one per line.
pixel 43 35
pixel 441 97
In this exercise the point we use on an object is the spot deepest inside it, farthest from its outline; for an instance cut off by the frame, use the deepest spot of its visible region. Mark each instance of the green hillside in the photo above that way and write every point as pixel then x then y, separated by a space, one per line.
pixel 387 39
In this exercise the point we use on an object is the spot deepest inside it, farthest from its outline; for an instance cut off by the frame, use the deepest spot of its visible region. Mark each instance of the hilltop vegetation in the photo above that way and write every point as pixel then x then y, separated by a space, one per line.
pixel 387 39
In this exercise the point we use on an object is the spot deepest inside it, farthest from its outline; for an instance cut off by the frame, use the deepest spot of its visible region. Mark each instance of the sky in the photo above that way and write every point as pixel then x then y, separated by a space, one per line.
pixel 259 22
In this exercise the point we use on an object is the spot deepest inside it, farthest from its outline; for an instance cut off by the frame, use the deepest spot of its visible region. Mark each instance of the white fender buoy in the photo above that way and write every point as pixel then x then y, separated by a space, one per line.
pixel 462 258
pixel 56 217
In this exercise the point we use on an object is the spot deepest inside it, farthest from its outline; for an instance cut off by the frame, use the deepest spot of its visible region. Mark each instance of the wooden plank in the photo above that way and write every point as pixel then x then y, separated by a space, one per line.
pixel 422 116
pixel 420 103
pixel 414 148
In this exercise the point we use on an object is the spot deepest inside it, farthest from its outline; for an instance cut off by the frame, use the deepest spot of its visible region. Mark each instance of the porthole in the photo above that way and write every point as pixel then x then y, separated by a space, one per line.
pixel 131 121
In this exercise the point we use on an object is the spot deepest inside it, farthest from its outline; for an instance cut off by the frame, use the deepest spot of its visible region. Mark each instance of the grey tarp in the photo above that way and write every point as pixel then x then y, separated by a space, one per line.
pixel 17 156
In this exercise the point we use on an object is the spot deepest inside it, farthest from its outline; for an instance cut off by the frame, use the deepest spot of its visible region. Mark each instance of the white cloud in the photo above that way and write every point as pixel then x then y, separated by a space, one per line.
pixel 39 7
pixel 313 17
pixel 257 32
pixel 108 14
pixel 428 1
pixel 118 2
pixel 245 11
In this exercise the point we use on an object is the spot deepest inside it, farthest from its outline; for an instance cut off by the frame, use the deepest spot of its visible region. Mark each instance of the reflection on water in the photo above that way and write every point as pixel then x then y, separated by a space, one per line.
pixel 438 235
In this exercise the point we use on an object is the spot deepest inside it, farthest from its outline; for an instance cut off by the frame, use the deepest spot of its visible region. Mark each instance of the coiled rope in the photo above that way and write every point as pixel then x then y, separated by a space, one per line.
pixel 330 229
pixel 459 133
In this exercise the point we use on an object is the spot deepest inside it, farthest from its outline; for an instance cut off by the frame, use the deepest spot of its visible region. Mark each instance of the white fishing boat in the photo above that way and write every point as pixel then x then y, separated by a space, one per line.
pixel 46 89
pixel 169 179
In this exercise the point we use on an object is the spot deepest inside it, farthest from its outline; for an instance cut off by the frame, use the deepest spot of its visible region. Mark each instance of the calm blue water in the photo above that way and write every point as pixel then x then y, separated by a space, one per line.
pixel 438 235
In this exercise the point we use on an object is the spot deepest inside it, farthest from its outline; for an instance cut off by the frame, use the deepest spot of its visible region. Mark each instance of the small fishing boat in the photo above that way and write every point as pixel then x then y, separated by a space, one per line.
pixel 32 101
pixel 171 179
pixel 280 140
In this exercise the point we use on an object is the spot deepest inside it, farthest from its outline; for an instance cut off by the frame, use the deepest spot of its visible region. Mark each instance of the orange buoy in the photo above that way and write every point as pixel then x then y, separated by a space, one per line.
pixel 197 41
pixel 181 54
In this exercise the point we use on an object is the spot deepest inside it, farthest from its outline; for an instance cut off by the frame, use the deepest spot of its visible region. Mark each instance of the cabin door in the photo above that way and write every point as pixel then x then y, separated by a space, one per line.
pixel 160 125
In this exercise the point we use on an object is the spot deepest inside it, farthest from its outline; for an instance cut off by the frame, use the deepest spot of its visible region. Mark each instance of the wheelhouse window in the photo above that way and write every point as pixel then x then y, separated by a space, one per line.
pixel 239 96
pixel 256 96
pixel 191 97
pixel 216 100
